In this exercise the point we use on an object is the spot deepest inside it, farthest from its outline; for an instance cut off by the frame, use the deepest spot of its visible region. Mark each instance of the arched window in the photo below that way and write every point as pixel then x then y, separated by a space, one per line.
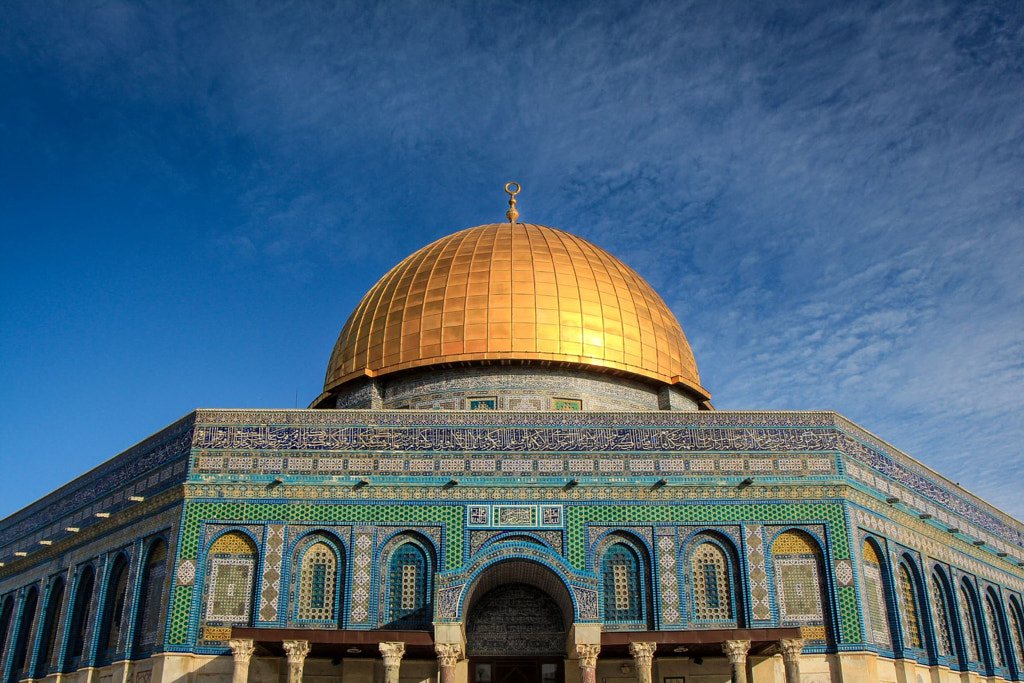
pixel 409 574
pixel 20 653
pixel 230 572
pixel 47 650
pixel 147 615
pixel 996 637
pixel 874 596
pixel 797 563
pixel 1016 632
pixel 81 618
pixel 113 610
pixel 940 615
pixel 317 583
pixel 711 583
pixel 623 589
pixel 969 624
pixel 910 614
pixel 6 617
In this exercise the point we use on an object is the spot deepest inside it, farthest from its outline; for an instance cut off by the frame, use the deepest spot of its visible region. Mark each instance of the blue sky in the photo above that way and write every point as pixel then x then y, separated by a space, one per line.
pixel 193 197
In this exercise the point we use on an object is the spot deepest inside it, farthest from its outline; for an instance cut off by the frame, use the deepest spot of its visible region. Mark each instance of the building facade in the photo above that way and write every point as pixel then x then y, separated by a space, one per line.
pixel 513 474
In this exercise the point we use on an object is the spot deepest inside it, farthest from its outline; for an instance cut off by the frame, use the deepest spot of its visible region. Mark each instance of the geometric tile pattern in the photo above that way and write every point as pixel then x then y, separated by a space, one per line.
pixel 669 579
pixel 270 590
pixel 760 606
pixel 362 558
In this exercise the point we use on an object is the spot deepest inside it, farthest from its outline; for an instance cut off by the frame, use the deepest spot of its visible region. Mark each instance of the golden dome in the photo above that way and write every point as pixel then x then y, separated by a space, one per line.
pixel 513 292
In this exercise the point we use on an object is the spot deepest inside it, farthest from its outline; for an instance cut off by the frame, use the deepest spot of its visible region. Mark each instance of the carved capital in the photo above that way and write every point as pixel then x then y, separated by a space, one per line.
pixel 643 653
pixel 791 648
pixel 587 653
pixel 242 649
pixel 296 650
pixel 391 653
pixel 736 650
pixel 448 654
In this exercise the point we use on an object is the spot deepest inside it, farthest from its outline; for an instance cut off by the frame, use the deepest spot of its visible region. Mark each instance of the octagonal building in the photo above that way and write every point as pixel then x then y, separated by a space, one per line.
pixel 512 475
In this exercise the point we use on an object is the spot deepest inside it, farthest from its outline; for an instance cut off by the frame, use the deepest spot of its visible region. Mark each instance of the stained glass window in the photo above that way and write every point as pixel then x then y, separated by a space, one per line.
pixel 970 626
pixel 20 653
pixel 113 609
pixel 231 565
pixel 1016 633
pixel 147 620
pixel 712 594
pixel 995 637
pixel 797 562
pixel 317 578
pixel 909 612
pixel 6 616
pixel 940 615
pixel 623 599
pixel 80 617
pixel 407 583
pixel 874 594
pixel 46 649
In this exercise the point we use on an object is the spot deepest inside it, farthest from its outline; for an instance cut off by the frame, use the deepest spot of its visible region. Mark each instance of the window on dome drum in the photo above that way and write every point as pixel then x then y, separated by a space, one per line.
pixel 113 610
pixel 876 614
pixel 623 592
pixel 940 615
pixel 711 583
pixel 909 612
pixel 19 655
pixel 147 616
pixel 799 583
pixel 46 648
pixel 1016 632
pixel 230 569
pixel 995 633
pixel 317 585
pixel 970 625
pixel 407 585
pixel 81 618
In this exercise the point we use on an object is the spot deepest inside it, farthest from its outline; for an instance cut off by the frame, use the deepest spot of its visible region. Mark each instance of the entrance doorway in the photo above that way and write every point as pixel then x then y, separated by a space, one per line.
pixel 515 633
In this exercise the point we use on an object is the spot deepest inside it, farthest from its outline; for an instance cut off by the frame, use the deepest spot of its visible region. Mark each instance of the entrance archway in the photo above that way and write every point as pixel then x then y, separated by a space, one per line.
pixel 517 619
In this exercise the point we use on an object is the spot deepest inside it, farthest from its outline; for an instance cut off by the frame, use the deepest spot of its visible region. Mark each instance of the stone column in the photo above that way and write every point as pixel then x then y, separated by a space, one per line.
pixel 392 654
pixel 296 651
pixel 791 649
pixel 241 652
pixel 643 655
pixel 448 655
pixel 736 651
pixel 587 653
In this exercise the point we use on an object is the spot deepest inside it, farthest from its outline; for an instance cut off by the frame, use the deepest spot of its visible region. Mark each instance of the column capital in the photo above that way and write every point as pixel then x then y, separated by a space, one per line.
pixel 242 649
pixel 296 650
pixel 643 653
pixel 448 654
pixel 791 647
pixel 736 650
pixel 587 653
pixel 392 652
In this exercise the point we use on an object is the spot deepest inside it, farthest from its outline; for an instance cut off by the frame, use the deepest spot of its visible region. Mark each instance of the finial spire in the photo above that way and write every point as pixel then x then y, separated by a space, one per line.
pixel 512 214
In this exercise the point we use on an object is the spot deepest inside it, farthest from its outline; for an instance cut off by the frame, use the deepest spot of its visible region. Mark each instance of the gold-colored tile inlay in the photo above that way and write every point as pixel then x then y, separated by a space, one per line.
pixel 513 291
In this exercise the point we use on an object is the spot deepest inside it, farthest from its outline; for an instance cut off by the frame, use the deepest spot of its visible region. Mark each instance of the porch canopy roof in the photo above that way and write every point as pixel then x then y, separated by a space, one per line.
pixel 702 643
pixel 339 642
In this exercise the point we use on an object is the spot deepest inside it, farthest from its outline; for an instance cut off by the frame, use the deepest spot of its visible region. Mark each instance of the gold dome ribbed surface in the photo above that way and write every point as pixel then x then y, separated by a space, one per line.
pixel 513 292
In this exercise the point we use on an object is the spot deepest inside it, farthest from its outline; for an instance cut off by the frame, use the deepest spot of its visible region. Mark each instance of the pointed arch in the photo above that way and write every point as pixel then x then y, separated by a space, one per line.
pixel 994 626
pixel 1016 623
pixel 230 583
pixel 318 562
pixel 623 563
pixel 147 611
pixel 408 564
pixel 942 601
pixel 112 617
pixel 874 586
pixel 47 650
pixel 800 585
pixel 81 618
pixel 19 655
pixel 970 624
pixel 6 619
pixel 712 570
